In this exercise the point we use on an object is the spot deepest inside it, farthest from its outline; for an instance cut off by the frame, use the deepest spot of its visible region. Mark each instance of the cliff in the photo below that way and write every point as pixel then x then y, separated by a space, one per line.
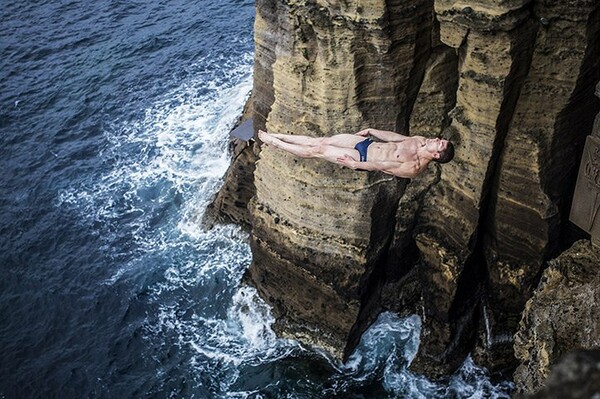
pixel 510 82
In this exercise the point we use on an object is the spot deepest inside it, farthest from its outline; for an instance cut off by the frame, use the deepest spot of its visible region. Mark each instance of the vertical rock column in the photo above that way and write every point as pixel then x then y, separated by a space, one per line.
pixel 493 42
pixel 429 118
pixel 563 314
pixel 319 229
pixel 400 285
pixel 538 166
pixel 437 94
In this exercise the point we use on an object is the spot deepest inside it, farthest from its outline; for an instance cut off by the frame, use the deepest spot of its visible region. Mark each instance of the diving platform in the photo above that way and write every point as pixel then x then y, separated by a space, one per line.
pixel 244 131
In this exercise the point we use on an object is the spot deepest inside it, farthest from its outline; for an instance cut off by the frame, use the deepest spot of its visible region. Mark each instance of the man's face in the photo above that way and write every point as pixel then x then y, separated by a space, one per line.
pixel 436 145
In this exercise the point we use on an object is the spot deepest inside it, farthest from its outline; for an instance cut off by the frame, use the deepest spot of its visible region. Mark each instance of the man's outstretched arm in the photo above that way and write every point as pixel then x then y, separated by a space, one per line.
pixel 382 135
pixel 400 169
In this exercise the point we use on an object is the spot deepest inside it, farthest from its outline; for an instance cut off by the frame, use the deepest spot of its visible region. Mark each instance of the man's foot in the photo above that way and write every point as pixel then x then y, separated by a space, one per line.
pixel 266 138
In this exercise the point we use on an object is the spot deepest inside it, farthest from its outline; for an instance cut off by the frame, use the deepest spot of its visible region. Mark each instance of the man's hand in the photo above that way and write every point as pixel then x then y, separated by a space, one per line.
pixel 382 135
pixel 347 161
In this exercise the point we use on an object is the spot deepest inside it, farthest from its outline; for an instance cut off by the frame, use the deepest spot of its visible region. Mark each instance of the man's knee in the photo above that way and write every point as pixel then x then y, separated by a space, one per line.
pixel 316 150
pixel 315 147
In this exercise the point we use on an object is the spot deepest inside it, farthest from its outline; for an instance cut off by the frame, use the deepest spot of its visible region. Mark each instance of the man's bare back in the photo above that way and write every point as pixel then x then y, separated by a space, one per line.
pixel 392 153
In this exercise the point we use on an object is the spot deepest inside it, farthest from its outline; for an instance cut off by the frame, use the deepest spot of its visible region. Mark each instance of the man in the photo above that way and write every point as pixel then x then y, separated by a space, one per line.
pixel 392 153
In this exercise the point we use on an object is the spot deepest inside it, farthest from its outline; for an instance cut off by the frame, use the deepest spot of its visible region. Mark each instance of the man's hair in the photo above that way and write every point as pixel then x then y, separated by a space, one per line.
pixel 446 155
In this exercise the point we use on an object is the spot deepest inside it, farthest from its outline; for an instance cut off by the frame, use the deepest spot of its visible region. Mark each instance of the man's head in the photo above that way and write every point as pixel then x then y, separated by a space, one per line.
pixel 447 154
pixel 441 150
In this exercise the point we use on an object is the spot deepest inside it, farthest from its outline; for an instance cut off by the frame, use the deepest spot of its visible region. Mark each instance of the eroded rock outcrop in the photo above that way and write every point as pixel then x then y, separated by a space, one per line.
pixel 534 183
pixel 575 376
pixel 510 82
pixel 231 202
pixel 498 212
pixel 494 46
pixel 562 316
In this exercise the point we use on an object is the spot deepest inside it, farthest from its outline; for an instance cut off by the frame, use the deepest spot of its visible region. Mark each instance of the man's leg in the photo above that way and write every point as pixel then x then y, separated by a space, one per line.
pixel 339 140
pixel 298 139
pixel 328 152
pixel 303 151
pixel 343 140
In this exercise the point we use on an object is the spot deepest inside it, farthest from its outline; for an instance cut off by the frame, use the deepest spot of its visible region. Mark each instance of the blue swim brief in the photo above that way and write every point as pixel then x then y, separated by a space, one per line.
pixel 362 148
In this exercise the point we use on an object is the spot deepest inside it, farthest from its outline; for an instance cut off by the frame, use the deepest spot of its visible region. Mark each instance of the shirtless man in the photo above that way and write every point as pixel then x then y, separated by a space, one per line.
pixel 392 153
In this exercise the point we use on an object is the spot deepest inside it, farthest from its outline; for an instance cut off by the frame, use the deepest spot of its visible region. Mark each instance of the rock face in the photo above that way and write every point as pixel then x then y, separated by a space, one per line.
pixel 575 376
pixel 498 212
pixel 510 82
pixel 231 202
pixel 563 315
pixel 535 173
pixel 319 231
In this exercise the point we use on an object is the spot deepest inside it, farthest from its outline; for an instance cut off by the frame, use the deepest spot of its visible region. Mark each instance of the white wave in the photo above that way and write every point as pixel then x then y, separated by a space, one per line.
pixel 161 170
pixel 245 335
pixel 472 381
pixel 250 317
pixel 389 340
pixel 179 147
pixel 178 152
pixel 243 338
pixel 384 354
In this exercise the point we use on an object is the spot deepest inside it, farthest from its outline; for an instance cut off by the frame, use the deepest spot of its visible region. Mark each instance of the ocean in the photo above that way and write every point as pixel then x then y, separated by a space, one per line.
pixel 114 125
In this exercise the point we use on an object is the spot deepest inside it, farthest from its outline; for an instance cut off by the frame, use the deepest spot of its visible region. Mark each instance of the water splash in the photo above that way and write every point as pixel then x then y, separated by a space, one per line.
pixel 382 359
pixel 164 168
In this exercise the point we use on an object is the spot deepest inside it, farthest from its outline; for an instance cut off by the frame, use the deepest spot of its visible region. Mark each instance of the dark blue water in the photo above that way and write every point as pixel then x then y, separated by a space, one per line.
pixel 114 118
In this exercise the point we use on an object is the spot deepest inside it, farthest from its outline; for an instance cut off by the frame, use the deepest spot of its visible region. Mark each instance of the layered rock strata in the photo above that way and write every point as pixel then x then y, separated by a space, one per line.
pixel 319 230
pixel 494 47
pixel 498 211
pixel 534 183
pixel 510 82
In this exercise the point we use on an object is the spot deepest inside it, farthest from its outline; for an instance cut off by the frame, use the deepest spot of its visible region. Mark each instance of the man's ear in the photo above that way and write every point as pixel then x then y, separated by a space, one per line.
pixel 436 155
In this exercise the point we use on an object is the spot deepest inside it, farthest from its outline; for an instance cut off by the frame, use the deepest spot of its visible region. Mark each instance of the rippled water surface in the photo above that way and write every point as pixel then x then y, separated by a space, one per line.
pixel 114 119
